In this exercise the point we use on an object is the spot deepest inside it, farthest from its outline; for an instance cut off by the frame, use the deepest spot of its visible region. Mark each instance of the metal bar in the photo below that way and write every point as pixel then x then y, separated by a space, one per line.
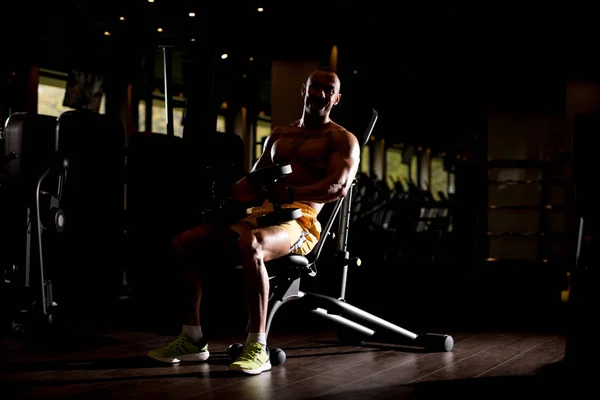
pixel 361 314
pixel 168 75
pixel 344 321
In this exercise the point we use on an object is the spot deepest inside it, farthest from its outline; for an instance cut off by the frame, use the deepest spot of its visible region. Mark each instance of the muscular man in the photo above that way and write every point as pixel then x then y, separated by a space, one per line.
pixel 324 158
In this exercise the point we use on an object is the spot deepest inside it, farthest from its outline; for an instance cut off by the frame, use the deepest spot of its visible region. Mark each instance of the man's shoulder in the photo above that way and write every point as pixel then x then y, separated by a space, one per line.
pixel 335 127
pixel 282 129
pixel 342 133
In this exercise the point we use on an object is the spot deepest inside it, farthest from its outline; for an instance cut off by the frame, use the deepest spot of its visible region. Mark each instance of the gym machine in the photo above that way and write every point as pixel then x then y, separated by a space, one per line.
pixel 32 180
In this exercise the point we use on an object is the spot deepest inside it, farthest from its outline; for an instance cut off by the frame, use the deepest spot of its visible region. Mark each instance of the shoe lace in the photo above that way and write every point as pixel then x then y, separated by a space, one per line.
pixel 250 351
pixel 177 343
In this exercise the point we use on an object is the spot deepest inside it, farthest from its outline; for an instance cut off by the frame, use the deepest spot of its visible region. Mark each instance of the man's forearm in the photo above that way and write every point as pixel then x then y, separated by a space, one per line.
pixel 321 192
pixel 243 191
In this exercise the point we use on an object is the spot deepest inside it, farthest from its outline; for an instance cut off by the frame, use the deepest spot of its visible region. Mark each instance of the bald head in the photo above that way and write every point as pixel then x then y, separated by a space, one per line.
pixel 321 92
pixel 325 74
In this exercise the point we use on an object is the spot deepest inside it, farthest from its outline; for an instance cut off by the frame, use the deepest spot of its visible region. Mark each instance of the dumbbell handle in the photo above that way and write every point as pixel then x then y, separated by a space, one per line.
pixel 268 175
pixel 291 196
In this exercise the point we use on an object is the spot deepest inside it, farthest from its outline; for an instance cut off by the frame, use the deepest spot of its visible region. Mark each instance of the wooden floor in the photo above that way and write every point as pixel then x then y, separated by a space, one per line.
pixel 95 362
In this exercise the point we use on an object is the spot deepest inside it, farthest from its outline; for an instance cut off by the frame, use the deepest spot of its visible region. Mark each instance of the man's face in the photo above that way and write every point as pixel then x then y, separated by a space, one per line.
pixel 321 92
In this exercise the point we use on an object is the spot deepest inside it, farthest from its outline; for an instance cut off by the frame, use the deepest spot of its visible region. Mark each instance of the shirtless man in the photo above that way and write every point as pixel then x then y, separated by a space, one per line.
pixel 324 158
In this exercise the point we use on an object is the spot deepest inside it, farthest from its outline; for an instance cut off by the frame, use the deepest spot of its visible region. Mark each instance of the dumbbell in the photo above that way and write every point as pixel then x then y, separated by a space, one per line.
pixel 266 178
pixel 224 209
pixel 227 212
pixel 276 355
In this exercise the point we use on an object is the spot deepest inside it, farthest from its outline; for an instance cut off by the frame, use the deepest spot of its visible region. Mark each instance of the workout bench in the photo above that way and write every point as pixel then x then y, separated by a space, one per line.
pixel 356 325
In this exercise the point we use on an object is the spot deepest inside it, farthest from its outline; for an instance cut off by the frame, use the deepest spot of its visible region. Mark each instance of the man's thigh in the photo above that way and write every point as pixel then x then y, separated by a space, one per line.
pixel 208 241
pixel 299 239
pixel 302 240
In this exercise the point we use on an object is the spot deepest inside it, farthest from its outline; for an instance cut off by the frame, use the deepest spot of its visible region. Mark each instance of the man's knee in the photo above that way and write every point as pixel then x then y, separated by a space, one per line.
pixel 249 246
pixel 178 245
pixel 189 241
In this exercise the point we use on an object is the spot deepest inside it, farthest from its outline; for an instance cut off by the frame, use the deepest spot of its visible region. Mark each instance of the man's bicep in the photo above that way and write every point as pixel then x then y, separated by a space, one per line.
pixel 346 155
pixel 265 157
pixel 263 161
pixel 343 165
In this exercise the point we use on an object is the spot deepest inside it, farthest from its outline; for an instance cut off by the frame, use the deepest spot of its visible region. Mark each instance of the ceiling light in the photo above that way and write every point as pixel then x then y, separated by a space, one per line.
pixel 224 56
pixel 159 29
pixel 193 39
pixel 260 9
pixel 150 1
pixel 122 18
pixel 251 58
pixel 192 14
pixel 107 33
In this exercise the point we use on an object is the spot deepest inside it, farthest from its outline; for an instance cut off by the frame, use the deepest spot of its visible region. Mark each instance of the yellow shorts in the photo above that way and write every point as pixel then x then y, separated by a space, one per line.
pixel 304 232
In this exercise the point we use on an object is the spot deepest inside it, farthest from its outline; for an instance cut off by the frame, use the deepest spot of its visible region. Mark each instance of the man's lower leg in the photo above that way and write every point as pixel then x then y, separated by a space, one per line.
pixel 190 345
pixel 255 354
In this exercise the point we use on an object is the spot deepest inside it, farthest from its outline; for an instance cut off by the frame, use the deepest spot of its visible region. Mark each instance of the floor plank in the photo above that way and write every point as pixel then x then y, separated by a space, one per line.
pixel 101 363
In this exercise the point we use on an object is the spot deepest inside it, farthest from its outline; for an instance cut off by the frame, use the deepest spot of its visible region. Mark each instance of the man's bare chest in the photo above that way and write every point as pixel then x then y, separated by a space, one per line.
pixel 301 147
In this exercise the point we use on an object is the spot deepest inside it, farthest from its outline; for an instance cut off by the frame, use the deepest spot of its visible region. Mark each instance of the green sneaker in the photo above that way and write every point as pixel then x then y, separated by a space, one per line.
pixel 181 349
pixel 253 360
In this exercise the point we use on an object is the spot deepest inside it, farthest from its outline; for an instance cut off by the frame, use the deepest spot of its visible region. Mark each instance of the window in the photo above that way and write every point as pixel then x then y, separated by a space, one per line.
pixel 397 171
pixel 263 129
pixel 159 118
pixel 414 170
pixel 365 162
pixel 221 123
pixel 51 93
pixel 439 178
pixel 451 184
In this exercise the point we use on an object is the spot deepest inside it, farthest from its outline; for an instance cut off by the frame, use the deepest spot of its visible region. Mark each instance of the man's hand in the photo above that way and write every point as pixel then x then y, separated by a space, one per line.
pixel 282 194
pixel 244 192
pixel 222 189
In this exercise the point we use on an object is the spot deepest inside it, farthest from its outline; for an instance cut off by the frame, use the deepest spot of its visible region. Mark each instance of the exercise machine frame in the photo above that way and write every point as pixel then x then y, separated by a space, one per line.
pixel 357 324
pixel 32 187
